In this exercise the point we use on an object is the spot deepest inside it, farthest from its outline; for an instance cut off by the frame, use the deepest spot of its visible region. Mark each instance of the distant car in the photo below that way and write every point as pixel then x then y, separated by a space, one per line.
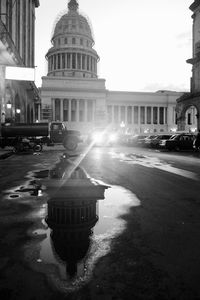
pixel 137 140
pixel 179 142
pixel 155 142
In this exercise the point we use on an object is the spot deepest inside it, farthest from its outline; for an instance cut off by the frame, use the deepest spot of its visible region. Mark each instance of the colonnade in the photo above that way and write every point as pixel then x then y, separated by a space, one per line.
pixel 70 61
pixel 80 110
pixel 74 214
pixel 137 114
pixel 73 110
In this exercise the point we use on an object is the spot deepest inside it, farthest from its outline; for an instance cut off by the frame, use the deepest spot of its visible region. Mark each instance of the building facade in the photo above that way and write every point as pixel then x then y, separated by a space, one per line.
pixel 192 99
pixel 72 92
pixel 18 98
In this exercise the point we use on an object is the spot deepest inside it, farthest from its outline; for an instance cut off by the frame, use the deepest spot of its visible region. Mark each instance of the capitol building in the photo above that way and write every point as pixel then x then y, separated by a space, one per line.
pixel 72 92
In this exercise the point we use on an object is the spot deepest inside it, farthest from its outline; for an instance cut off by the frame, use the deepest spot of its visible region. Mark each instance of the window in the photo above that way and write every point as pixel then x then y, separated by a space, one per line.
pixel 58 61
pixel 65 40
pixel 189 119
pixel 73 41
pixel 81 41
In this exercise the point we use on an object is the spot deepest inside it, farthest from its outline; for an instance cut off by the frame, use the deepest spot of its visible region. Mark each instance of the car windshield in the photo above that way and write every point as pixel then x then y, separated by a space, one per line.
pixel 174 137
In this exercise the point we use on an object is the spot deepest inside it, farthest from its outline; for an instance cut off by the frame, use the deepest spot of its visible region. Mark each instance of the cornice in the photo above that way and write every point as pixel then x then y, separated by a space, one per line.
pixel 194 5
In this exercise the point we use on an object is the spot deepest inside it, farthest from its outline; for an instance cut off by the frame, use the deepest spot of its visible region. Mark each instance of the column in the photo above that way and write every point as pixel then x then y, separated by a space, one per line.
pixel 85 111
pixel 70 60
pixel 53 109
pixel 151 115
pixel 77 110
pixel 112 113
pixel 164 115
pixel 90 63
pixel 65 61
pixel 61 110
pixel 158 115
pixel 139 111
pixel 61 61
pixel 145 115
pixel 69 111
pixel 81 61
pixel 76 62
pixel 126 118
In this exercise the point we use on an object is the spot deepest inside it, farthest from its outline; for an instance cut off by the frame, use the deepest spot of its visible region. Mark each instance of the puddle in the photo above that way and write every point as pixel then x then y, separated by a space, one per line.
pixel 153 162
pixel 14 196
pixel 82 233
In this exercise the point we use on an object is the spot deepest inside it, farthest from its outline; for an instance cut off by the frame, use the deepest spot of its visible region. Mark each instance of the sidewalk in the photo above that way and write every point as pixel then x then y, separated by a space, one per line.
pixel 6 152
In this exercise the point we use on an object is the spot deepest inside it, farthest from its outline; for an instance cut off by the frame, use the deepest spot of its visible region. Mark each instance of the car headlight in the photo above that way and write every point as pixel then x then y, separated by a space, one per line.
pixel 163 143
pixel 112 137
pixel 97 137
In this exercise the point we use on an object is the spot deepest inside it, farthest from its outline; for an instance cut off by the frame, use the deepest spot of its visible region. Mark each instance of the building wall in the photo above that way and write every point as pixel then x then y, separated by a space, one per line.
pixel 17 35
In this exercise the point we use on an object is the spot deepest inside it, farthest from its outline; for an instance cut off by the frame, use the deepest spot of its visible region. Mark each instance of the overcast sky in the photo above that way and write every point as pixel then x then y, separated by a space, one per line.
pixel 143 44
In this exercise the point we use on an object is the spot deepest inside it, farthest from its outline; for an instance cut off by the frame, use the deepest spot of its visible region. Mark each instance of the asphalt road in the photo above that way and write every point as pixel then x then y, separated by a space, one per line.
pixel 145 245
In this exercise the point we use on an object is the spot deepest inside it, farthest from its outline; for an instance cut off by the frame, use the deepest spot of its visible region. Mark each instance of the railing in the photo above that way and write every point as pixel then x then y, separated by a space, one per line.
pixel 6 39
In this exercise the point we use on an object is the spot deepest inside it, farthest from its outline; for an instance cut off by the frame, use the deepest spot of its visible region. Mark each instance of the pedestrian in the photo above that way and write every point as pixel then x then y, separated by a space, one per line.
pixel 197 141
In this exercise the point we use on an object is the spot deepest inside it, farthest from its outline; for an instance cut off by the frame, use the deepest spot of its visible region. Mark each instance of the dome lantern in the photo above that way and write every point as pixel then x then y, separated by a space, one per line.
pixel 73 5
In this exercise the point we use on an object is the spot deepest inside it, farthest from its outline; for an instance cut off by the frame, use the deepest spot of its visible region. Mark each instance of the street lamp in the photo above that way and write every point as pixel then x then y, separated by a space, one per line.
pixel 8 105
pixel 18 110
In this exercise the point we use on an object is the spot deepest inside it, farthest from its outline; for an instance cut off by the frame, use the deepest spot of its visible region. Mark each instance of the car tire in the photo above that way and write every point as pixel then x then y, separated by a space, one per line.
pixel 70 143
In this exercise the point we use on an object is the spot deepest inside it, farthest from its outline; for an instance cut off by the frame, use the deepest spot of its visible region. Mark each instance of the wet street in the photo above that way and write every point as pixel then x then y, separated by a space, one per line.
pixel 132 231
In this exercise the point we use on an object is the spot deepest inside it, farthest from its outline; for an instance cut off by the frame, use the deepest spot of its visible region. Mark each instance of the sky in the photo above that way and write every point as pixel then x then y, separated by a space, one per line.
pixel 143 45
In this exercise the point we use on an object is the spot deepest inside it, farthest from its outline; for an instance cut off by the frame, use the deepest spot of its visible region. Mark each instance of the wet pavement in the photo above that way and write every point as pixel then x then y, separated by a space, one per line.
pixel 97 248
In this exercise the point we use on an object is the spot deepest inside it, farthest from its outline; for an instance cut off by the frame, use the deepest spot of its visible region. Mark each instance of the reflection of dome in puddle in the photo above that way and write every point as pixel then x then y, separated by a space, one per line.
pixel 71 226
pixel 72 215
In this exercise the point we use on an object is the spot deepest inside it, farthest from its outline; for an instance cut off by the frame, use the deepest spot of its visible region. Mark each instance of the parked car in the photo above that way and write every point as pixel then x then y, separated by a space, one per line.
pixel 147 140
pixel 181 141
pixel 155 142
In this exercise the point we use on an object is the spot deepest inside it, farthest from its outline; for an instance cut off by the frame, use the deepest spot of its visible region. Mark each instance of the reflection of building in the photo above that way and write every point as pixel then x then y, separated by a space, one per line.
pixel 73 93
pixel 71 216
pixel 71 222
pixel 17 34
pixel 192 99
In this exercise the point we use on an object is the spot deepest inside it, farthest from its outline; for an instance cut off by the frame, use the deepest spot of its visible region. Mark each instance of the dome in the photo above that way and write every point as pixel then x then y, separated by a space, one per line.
pixel 73 22
pixel 72 53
